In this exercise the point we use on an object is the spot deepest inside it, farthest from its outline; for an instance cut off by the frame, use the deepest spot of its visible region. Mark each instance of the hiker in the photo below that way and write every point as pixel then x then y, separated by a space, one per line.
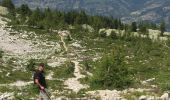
pixel 39 80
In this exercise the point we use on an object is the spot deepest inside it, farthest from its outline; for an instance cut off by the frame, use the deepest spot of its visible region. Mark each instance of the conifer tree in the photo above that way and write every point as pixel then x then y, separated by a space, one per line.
pixel 24 10
pixel 162 27
pixel 134 27
pixel 9 4
pixel 35 18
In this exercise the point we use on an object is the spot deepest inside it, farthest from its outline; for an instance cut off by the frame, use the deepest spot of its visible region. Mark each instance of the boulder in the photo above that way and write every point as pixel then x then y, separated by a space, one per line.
pixel 165 96
pixel 143 97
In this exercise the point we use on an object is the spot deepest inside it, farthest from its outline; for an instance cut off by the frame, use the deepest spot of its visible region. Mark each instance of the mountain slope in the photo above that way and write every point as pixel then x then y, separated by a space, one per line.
pixel 152 10
pixel 101 7
pixel 89 60
pixel 128 10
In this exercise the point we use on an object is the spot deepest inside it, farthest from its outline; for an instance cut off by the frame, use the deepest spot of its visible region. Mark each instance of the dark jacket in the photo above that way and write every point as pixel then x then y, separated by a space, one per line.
pixel 41 78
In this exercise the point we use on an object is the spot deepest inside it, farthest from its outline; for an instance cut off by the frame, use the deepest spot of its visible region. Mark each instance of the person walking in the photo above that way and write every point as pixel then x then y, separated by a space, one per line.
pixel 39 80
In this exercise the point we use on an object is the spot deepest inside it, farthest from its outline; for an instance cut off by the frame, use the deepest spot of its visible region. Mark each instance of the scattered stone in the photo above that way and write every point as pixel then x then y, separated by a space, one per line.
pixel 20 83
pixel 143 97
pixel 50 76
pixel 163 38
pixel 77 45
pixel 88 27
pixel 165 96
pixel 108 31
pixel 54 64
pixel 56 61
pixel 147 81
pixel 7 96
pixel 64 33
pixel 7 74
pixel 107 94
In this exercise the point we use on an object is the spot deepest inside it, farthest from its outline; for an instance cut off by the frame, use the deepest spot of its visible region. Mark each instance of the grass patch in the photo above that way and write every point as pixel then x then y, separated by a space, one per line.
pixel 65 71
pixel 14 76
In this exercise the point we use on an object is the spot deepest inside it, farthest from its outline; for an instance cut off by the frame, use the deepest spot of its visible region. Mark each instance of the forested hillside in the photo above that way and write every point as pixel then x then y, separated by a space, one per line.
pixel 86 56
pixel 127 10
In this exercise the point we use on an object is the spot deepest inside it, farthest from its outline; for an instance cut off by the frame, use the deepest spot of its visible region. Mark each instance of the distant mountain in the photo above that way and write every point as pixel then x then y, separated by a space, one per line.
pixel 127 10
pixel 155 10
pixel 152 10
pixel 116 8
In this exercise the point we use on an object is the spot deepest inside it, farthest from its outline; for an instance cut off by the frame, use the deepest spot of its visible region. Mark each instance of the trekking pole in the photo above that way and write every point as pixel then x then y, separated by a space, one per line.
pixel 46 93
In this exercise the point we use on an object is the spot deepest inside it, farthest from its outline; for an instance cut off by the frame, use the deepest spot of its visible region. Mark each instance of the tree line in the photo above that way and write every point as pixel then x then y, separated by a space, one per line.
pixel 53 19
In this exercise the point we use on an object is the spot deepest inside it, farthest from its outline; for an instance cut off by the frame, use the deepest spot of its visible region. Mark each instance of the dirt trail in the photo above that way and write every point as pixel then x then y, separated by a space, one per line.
pixel 64 44
pixel 73 83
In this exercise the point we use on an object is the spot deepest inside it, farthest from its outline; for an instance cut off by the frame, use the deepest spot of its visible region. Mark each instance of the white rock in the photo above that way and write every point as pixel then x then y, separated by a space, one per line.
pixel 109 31
pixel 165 96
pixel 77 45
pixel 143 97
pixel 20 83
pixel 6 96
pixel 64 33
pixel 3 10
pixel 148 80
pixel 107 94
pixel 88 27
pixel 154 86
pixel 7 74
pixel 50 76
pixel 136 34
pixel 163 38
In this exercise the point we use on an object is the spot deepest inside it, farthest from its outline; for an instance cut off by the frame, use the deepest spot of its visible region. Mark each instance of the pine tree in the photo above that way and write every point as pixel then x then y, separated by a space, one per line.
pixel 36 18
pixel 111 72
pixel 116 24
pixel 134 27
pixel 143 27
pixel 81 18
pixel 162 27
pixel 9 4
pixel 48 21
pixel 24 10
pixel 120 25
pixel 1 54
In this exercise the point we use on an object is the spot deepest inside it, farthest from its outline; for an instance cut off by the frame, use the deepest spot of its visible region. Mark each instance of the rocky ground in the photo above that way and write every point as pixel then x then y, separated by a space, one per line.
pixel 18 45
pixel 24 46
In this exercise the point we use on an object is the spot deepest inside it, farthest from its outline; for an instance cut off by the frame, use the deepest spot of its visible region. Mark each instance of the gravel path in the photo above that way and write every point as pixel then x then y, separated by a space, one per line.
pixel 73 83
